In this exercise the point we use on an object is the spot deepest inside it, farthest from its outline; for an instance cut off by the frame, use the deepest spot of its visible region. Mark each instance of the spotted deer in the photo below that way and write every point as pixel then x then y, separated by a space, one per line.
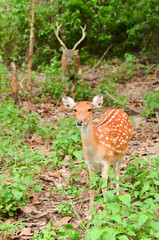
pixel 70 58
pixel 105 143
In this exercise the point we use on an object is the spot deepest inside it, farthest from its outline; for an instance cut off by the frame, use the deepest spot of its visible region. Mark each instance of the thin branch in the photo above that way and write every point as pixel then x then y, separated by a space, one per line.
pixel 110 96
pixel 102 56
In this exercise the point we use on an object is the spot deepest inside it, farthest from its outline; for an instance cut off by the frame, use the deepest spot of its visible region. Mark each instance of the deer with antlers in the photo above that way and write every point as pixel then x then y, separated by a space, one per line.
pixel 70 58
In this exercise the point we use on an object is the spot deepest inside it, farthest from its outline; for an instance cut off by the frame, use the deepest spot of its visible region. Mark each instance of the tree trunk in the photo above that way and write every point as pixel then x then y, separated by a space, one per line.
pixel 31 47
pixel 14 82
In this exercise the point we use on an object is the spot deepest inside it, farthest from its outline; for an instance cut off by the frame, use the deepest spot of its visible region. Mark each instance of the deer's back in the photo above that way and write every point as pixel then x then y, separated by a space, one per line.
pixel 113 131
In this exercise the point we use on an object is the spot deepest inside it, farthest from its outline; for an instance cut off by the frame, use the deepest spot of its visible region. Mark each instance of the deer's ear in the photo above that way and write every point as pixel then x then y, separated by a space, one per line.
pixel 68 102
pixel 97 100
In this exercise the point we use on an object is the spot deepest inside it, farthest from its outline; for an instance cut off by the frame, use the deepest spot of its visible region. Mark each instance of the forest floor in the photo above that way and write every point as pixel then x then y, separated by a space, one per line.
pixel 44 205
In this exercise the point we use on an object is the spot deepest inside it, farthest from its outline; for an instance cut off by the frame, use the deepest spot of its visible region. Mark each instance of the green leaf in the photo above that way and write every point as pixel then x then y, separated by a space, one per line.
pixel 156 182
pixel 108 236
pixel 74 137
pixel 109 196
pixel 11 214
pixel 154 226
pixel 28 180
pixel 114 207
pixel 95 234
pixel 126 198
pixel 102 182
pixel 71 164
pixel 9 206
pixel 131 233
pixel 17 194
pixel 48 226
pixel 142 219
pixel 138 203
pixel 156 235
pixel 37 188
pixel 68 226
pixel 133 217
pixel 116 218
pixel 156 195
pixel 78 154
pixel 145 188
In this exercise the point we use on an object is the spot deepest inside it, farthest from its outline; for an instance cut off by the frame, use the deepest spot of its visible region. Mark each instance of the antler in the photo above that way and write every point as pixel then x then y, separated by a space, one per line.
pixel 83 36
pixel 57 35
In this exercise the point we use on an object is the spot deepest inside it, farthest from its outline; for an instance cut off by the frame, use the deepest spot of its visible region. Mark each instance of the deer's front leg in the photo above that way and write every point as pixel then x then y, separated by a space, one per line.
pixel 105 170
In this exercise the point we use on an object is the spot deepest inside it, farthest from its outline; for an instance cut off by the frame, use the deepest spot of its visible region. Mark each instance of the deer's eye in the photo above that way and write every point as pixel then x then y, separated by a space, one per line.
pixel 89 110
pixel 75 110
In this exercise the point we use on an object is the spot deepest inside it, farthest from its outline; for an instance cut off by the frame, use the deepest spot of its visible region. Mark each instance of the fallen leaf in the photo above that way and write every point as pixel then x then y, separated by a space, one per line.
pixel 63 221
pixel 155 82
pixel 55 174
pixel 97 206
pixel 84 181
pixel 74 224
pixel 46 178
pixel 156 89
pixel 35 200
pixel 37 139
pixel 26 232
pixel 26 209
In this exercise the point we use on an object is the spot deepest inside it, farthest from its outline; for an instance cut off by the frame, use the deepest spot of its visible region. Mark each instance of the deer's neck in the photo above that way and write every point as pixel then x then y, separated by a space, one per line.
pixel 88 135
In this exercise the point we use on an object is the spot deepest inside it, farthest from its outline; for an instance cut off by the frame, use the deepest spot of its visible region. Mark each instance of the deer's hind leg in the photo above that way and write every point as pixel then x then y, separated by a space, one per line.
pixel 116 169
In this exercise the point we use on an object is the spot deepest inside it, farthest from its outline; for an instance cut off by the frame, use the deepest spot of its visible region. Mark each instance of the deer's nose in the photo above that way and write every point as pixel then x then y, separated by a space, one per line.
pixel 79 123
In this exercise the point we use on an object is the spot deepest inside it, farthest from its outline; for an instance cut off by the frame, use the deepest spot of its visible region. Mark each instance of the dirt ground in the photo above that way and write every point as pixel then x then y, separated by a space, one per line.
pixel 145 142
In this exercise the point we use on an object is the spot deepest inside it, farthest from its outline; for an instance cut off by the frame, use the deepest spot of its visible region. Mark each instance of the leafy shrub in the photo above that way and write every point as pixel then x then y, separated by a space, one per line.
pixel 152 104
pixel 132 215
pixel 4 80
pixel 64 233
pixel 65 143
pixel 13 192
pixel 66 209
pixel 7 228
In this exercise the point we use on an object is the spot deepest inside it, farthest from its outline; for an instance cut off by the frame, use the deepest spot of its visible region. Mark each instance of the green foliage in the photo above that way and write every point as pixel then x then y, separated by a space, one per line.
pixel 16 158
pixel 13 192
pixel 54 85
pixel 132 215
pixel 66 142
pixel 14 40
pixel 4 80
pixel 152 104
pixel 7 228
pixel 66 209
pixel 46 234
pixel 64 233
pixel 121 25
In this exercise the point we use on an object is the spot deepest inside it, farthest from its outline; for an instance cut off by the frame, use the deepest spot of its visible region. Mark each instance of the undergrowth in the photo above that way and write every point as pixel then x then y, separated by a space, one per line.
pixel 131 215
pixel 151 104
